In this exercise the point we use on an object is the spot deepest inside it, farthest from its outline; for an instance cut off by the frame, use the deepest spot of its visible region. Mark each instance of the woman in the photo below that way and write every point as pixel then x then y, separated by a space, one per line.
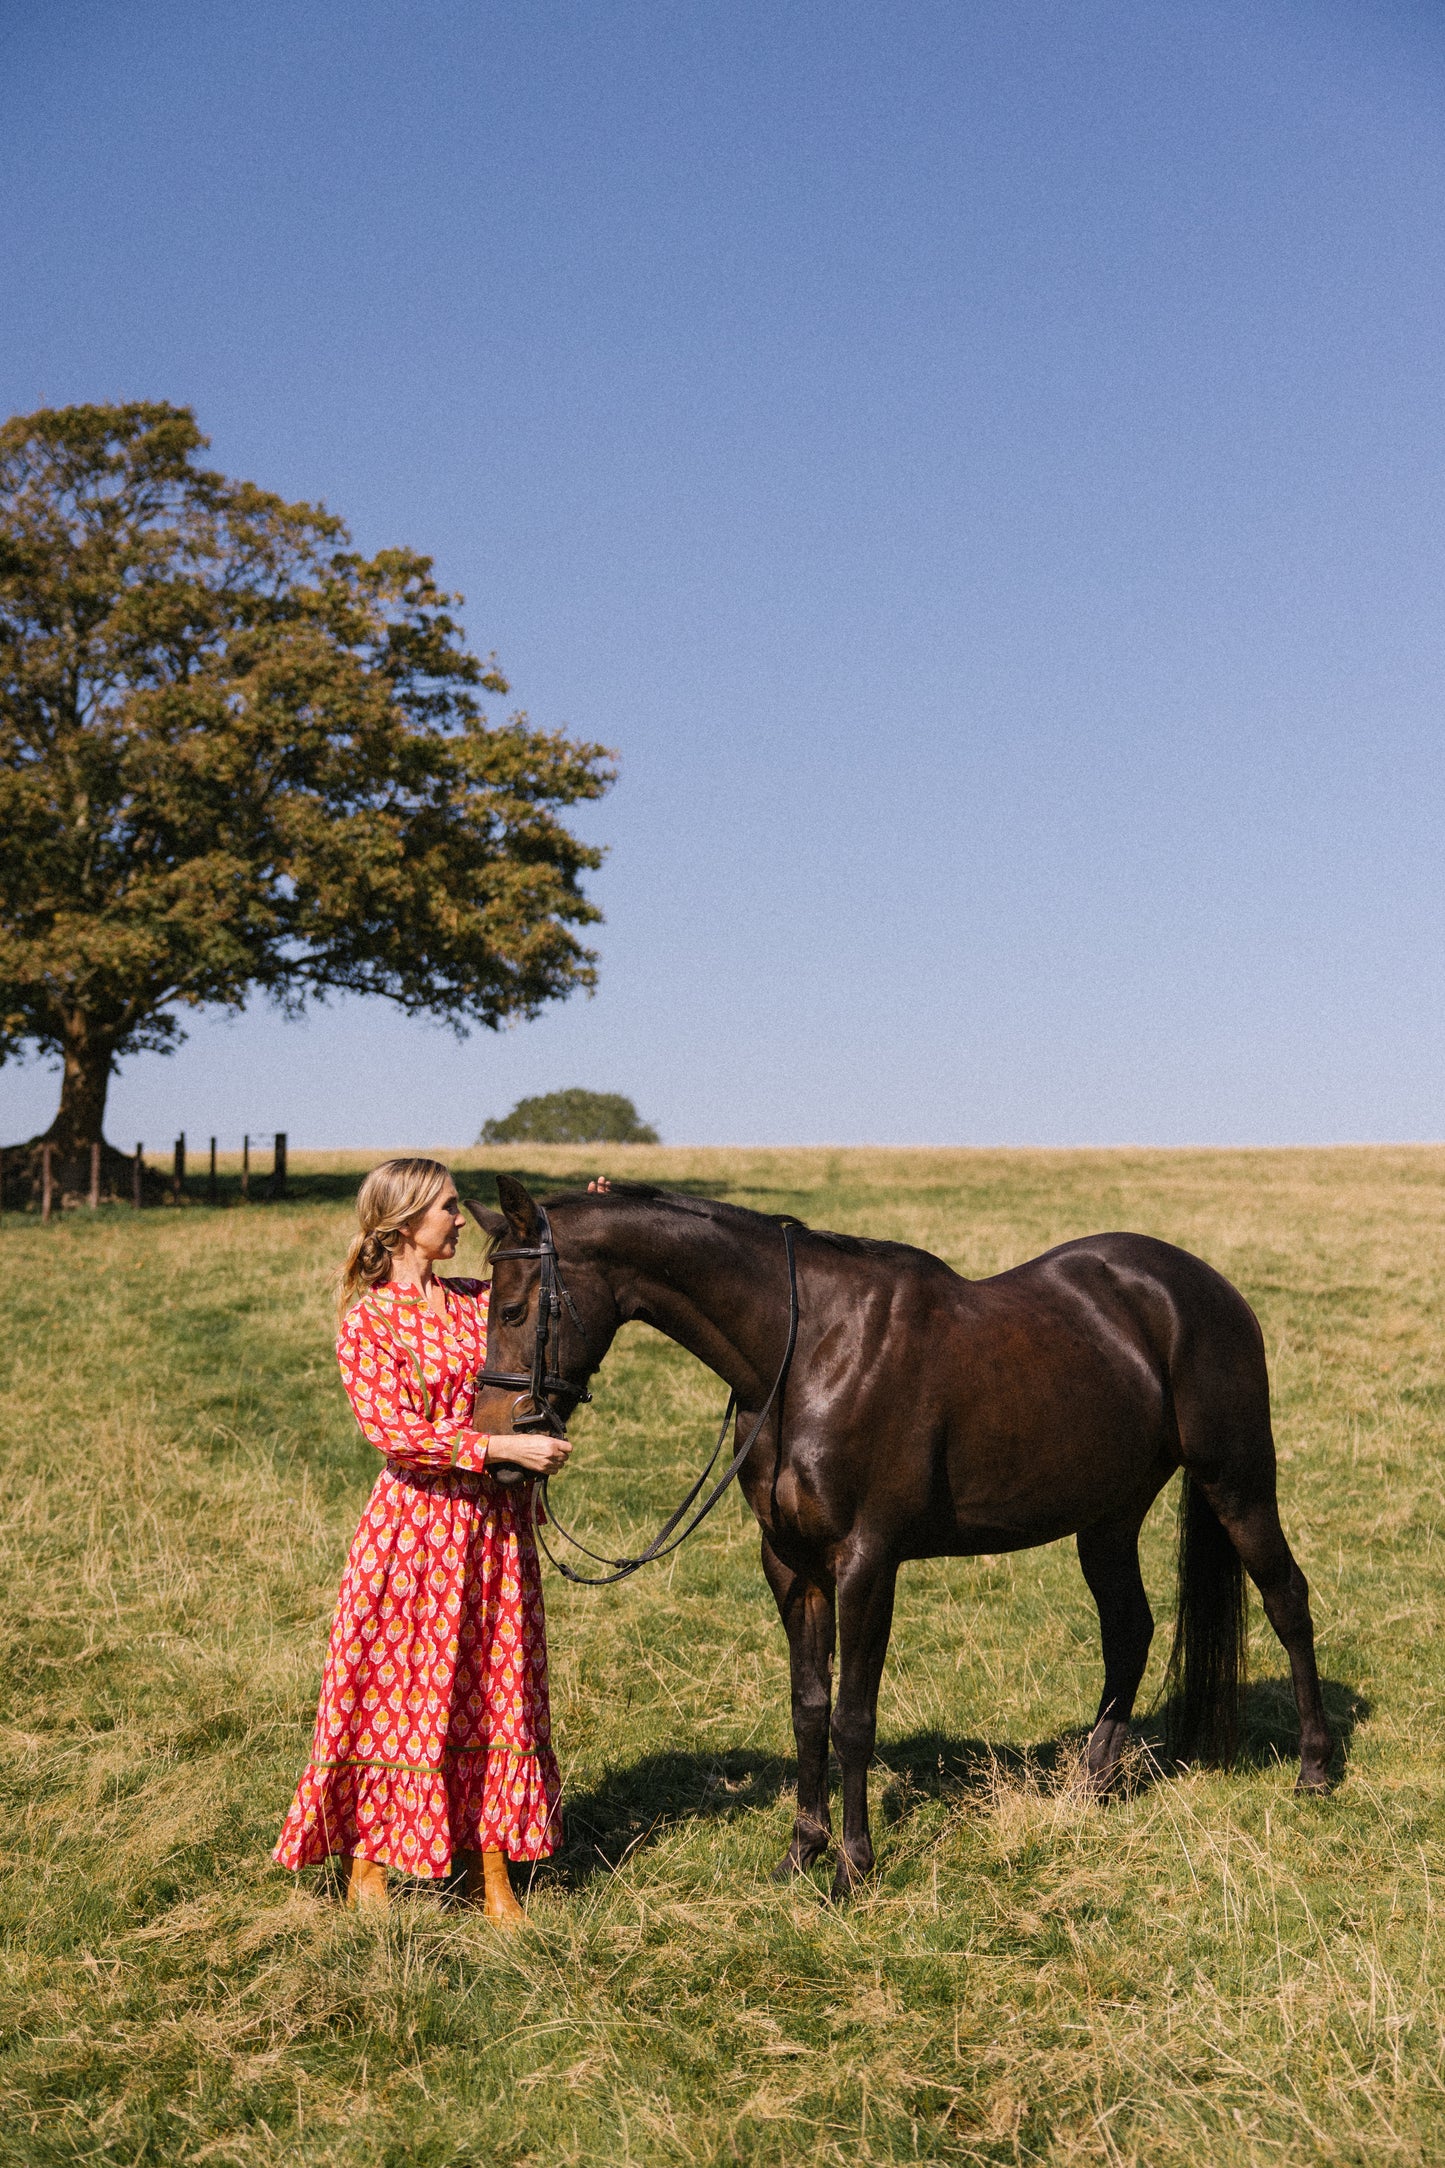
pixel 433 1742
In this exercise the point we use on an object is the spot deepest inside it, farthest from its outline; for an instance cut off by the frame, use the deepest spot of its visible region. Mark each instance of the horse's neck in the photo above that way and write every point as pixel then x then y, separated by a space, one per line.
pixel 719 1288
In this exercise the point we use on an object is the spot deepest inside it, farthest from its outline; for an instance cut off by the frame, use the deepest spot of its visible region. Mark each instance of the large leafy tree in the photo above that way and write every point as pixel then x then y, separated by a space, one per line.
pixel 236 756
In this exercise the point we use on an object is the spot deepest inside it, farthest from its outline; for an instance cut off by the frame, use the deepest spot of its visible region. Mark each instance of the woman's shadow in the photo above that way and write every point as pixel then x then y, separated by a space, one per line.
pixel 631 1807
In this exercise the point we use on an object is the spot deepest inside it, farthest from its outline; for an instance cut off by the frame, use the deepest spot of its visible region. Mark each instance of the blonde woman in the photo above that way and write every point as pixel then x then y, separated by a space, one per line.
pixel 433 1743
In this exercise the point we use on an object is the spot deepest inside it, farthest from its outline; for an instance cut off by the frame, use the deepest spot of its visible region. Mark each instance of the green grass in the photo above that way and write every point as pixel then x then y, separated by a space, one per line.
pixel 1207 1970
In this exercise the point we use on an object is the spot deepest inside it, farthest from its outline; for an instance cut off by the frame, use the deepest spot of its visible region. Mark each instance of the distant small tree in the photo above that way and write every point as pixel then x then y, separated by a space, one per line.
pixel 571 1117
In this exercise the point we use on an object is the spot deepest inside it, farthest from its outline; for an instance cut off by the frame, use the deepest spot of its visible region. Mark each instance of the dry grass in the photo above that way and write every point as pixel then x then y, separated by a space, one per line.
pixel 1208 1969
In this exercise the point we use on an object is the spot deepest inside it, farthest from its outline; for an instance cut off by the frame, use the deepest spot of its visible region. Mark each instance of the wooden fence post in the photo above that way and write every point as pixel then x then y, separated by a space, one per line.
pixel 278 1166
pixel 137 1193
pixel 178 1171
pixel 95 1177
pixel 212 1187
pixel 245 1169
pixel 47 1185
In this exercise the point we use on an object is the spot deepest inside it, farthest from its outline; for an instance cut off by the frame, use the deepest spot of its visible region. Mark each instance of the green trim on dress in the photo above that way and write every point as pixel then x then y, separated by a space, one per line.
pixel 424 1769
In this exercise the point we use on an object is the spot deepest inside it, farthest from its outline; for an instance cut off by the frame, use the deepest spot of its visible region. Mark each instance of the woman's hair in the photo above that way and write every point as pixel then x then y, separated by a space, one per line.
pixel 392 1196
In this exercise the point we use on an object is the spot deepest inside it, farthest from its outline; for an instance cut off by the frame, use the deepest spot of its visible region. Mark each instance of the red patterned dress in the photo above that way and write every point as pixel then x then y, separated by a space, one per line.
pixel 433 1735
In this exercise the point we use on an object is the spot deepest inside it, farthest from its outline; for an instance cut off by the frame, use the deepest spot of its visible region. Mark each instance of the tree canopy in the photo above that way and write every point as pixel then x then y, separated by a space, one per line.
pixel 570 1117
pixel 238 756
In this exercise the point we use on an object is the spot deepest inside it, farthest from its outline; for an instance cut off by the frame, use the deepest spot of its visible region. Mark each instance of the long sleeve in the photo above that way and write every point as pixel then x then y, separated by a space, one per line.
pixel 387 1395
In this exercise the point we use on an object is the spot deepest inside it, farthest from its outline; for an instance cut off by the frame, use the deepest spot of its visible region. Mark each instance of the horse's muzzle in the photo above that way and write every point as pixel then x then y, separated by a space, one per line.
pixel 528 1414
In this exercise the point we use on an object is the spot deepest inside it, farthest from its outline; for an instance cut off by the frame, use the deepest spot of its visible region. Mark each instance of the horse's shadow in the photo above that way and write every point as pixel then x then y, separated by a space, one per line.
pixel 632 1806
pixel 629 1808
pixel 1269 1731
pixel 932 1765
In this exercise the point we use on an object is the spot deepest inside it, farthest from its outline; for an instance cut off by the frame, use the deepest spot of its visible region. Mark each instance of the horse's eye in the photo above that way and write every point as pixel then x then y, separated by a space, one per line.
pixel 514 1313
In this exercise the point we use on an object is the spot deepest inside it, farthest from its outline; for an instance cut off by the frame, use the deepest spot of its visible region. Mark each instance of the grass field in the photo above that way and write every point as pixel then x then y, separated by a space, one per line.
pixel 1206 1971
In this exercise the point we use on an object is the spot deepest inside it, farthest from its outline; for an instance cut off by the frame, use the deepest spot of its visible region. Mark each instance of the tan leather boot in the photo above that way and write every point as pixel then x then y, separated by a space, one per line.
pixel 489 1887
pixel 366 1886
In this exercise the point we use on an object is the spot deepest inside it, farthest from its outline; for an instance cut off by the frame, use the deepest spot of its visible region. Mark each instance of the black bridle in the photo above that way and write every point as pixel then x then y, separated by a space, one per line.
pixel 542 1383
pixel 552 1298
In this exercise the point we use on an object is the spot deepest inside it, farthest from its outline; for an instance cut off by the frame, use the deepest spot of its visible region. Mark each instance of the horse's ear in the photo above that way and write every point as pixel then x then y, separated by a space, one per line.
pixel 520 1209
pixel 493 1224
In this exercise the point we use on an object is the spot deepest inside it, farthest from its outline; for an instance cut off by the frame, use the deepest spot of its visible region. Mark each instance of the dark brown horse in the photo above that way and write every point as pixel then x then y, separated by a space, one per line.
pixel 930 1416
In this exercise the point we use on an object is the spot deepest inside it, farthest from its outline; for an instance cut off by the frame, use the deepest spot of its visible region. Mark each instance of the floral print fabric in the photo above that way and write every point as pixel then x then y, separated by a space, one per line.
pixel 433 1735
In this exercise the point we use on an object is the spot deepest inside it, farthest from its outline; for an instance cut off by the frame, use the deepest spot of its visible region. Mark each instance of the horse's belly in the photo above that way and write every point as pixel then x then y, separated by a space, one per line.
pixel 1060 1465
pixel 978 1541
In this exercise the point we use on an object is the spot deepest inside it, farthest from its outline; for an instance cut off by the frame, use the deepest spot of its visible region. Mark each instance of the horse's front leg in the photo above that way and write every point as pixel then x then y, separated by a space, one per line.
pixel 806 1609
pixel 865 1617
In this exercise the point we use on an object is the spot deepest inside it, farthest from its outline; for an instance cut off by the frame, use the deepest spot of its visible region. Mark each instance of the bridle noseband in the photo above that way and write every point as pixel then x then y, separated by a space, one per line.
pixel 552 1297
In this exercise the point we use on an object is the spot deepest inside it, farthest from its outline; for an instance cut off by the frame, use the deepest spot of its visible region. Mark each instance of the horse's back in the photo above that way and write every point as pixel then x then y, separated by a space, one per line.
pixel 1139 1267
pixel 1114 1311
pixel 1176 1299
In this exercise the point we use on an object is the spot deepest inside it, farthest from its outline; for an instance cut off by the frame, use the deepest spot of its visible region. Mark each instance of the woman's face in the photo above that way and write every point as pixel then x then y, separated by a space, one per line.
pixel 434 1234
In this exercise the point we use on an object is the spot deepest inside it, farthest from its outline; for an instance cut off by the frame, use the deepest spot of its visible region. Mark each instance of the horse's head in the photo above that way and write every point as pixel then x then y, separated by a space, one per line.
pixel 550 1320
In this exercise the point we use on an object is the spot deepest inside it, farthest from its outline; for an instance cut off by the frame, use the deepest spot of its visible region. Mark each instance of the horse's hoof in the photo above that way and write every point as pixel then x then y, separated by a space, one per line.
pixel 795 1862
pixel 1108 1744
pixel 810 1841
pixel 1313 1784
pixel 847 1881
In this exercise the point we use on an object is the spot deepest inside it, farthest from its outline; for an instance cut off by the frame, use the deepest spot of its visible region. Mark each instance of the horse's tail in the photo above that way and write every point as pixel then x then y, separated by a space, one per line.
pixel 1208 1660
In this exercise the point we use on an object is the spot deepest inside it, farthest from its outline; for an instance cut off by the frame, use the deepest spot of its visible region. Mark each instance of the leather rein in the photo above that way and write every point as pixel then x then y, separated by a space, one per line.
pixel 538 1386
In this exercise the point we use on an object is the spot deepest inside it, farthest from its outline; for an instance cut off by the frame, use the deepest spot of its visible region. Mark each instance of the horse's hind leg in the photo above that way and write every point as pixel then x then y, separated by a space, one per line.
pixel 1109 1555
pixel 1255 1532
pixel 806 1610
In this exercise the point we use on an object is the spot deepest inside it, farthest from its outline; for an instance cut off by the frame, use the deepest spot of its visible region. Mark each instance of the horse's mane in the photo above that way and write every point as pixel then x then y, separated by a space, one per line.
pixel 720 1213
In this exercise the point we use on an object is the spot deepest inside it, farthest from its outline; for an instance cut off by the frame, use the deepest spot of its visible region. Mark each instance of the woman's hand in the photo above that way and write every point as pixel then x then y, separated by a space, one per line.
pixel 529 1449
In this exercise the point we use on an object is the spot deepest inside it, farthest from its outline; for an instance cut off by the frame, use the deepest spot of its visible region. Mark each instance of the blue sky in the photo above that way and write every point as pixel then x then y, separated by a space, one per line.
pixel 980 465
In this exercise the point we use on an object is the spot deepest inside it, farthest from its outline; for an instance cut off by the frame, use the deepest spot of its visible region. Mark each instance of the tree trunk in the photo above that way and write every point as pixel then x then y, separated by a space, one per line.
pixel 79 1121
